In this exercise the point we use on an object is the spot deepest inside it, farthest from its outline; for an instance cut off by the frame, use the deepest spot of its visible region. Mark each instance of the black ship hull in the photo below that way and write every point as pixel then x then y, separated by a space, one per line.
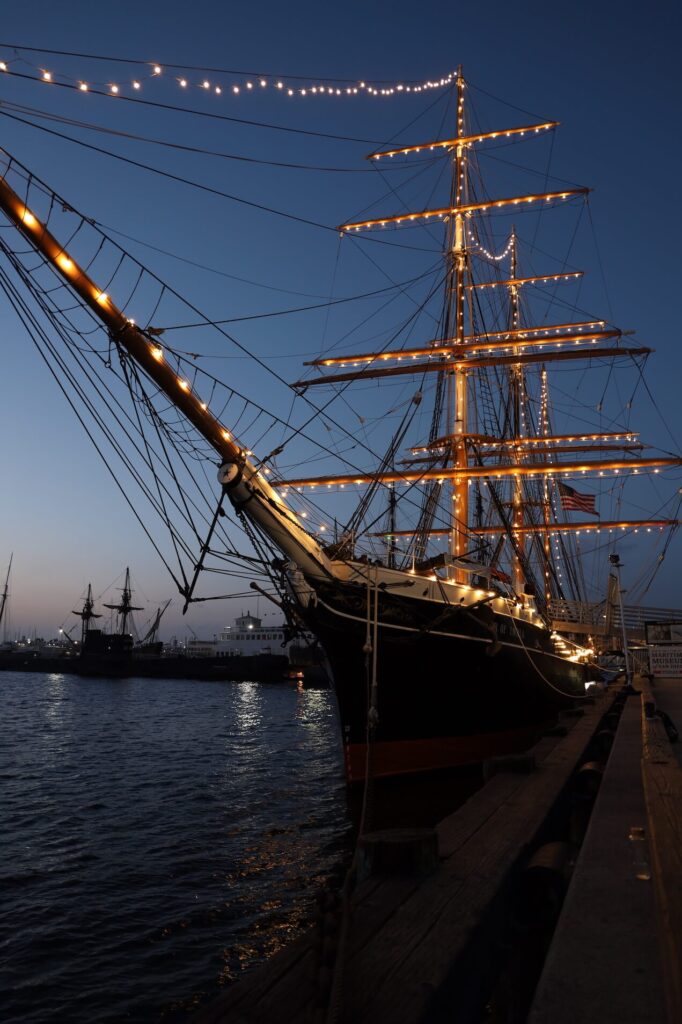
pixel 455 685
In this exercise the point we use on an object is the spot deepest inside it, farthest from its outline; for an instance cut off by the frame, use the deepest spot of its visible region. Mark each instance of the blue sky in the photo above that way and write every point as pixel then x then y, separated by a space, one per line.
pixel 606 71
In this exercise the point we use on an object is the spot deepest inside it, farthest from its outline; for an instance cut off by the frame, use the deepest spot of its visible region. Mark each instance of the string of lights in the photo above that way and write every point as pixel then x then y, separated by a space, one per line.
pixel 482 251
pixel 229 83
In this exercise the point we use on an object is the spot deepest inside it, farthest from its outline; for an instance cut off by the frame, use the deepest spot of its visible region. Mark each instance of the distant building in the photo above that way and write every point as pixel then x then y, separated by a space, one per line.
pixel 200 648
pixel 247 637
pixel 250 636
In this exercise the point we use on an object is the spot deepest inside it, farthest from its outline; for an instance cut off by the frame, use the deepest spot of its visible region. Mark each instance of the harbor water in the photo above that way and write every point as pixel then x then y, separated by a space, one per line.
pixel 157 838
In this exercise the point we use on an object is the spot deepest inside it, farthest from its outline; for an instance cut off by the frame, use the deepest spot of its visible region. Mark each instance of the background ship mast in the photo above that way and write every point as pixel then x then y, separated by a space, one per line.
pixel 5 593
pixel 124 608
pixel 86 614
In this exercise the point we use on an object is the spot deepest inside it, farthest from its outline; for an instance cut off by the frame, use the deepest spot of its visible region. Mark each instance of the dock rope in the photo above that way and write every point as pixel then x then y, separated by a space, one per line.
pixel 335 1004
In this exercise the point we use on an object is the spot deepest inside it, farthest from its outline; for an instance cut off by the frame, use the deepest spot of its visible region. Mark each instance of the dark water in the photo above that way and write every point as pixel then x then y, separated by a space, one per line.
pixel 156 838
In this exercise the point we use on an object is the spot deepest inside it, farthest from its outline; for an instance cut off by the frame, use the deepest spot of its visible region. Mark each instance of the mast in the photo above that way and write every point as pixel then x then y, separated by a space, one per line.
pixel 392 503
pixel 124 608
pixel 5 593
pixel 457 390
pixel 518 432
pixel 86 614
pixel 150 635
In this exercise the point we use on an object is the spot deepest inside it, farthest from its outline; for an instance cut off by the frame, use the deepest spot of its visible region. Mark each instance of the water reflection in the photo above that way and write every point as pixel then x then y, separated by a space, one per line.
pixel 248 706
pixel 168 829
pixel 56 698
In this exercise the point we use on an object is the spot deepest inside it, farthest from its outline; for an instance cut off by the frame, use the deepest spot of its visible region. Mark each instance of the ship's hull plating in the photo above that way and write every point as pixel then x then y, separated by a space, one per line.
pixel 455 685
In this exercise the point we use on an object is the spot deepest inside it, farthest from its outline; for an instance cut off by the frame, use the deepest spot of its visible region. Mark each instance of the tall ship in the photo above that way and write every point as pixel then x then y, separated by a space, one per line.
pixel 439 565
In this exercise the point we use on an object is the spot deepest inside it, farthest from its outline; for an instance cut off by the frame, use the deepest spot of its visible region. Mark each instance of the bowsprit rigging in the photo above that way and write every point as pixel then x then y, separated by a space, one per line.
pixel 455 648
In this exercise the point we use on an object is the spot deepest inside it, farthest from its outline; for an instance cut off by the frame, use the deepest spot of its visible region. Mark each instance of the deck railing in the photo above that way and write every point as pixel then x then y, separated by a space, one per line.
pixel 598 617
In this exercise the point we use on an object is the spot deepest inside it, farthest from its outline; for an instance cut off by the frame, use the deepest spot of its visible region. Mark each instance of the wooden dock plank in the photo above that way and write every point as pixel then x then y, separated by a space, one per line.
pixel 415 955
pixel 603 962
pixel 662 780
pixel 460 826
pixel 406 933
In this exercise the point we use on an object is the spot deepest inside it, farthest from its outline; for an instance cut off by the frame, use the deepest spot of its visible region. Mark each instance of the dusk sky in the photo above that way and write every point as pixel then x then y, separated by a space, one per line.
pixel 609 72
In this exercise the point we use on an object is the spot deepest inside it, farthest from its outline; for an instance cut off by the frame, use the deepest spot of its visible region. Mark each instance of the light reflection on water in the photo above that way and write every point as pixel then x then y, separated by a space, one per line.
pixel 248 706
pixel 156 838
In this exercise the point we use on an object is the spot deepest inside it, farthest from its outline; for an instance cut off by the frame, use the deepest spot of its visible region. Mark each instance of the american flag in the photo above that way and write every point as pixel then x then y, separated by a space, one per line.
pixel 574 501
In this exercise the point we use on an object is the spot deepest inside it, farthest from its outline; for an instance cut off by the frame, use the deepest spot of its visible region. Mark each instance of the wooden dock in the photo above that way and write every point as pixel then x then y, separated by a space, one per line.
pixel 471 936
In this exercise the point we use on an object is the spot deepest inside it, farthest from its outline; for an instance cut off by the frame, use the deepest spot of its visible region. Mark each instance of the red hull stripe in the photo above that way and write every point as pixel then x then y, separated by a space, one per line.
pixel 408 757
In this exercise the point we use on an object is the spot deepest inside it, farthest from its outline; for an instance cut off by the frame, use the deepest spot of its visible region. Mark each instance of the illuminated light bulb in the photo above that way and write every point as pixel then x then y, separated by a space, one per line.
pixel 157 352
pixel 83 86
pixel 131 321
pixel 114 88
pixel 218 90
pixel 65 263
pixel 204 406
pixel 136 85
pixel 157 69
pixel 28 219
pixel 290 92
pixel 235 88
pixel 304 515
pixel 183 384
pixel 263 82
pixel 183 83
pixel 226 434
pixel 102 298
pixel 47 76
pixel 280 85
pixel 249 85
pixel 3 66
pixel 205 85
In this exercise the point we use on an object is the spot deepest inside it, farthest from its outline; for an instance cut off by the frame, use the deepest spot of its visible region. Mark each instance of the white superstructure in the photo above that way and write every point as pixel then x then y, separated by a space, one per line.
pixel 249 636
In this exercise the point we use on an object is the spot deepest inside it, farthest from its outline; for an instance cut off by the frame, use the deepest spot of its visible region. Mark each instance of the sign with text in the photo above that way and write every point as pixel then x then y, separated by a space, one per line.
pixel 666 661
pixel 663 632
